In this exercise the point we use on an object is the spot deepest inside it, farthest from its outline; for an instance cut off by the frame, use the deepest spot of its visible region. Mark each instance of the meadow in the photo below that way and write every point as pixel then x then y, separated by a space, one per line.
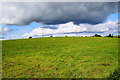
pixel 59 57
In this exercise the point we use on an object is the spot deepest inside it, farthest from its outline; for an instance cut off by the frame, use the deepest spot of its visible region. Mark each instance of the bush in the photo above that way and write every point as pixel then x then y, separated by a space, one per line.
pixel 96 35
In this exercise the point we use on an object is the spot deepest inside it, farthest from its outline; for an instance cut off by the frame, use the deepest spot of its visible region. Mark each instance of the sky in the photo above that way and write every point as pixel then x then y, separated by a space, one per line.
pixel 45 19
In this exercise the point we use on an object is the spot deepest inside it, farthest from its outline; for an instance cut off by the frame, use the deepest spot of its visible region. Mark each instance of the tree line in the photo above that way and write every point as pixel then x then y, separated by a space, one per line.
pixel 96 35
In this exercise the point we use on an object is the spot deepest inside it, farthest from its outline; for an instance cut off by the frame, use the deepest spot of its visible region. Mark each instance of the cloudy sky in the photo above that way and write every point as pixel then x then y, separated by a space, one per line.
pixel 38 19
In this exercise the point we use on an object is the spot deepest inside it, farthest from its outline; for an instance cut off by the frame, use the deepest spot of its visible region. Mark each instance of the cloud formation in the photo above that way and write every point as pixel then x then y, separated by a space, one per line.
pixel 56 12
pixel 4 30
pixel 71 28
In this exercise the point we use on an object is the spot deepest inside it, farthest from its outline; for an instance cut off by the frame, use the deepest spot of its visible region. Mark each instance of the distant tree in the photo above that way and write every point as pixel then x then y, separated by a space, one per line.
pixel 96 35
pixel 110 35
pixel 118 36
pixel 51 36
pixel 30 37
pixel 65 36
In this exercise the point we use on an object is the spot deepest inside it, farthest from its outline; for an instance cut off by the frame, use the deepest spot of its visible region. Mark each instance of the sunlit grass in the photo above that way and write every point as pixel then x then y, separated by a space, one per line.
pixel 63 57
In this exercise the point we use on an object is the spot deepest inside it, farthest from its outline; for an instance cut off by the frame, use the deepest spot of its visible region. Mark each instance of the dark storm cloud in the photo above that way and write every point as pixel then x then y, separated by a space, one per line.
pixel 57 12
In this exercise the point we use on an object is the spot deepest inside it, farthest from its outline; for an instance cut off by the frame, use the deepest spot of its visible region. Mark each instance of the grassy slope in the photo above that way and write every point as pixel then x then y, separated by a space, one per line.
pixel 86 57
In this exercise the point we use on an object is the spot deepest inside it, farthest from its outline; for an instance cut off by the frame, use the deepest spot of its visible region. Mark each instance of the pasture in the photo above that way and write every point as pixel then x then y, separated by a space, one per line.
pixel 59 57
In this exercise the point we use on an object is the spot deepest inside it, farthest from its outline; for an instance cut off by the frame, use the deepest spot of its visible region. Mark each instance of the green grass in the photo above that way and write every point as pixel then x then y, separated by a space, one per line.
pixel 60 57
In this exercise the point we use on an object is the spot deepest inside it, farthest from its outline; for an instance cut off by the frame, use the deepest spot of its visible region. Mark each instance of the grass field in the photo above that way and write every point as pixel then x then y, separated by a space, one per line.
pixel 60 57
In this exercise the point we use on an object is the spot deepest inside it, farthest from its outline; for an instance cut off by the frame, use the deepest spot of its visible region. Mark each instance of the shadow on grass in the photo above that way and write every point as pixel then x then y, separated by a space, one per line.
pixel 115 75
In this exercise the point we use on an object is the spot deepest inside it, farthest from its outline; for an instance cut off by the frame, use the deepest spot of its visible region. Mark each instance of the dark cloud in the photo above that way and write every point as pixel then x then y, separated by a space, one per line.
pixel 57 12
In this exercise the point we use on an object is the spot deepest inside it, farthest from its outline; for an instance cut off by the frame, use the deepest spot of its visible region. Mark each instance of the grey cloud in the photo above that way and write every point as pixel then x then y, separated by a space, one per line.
pixel 56 12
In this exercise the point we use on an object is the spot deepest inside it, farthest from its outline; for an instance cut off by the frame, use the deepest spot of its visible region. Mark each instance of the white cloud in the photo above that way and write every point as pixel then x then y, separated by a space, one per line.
pixel 70 28
pixel 4 30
